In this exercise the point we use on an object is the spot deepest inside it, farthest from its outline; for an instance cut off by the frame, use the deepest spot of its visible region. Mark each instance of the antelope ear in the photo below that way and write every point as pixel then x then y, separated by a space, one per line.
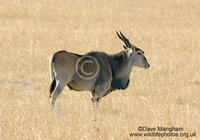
pixel 133 48
pixel 128 52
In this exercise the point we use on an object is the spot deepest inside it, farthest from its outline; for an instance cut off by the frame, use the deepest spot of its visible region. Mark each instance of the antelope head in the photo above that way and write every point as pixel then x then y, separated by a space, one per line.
pixel 134 53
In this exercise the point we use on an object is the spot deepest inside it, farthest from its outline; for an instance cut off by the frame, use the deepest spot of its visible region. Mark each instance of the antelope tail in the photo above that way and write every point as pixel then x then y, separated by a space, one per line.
pixel 52 75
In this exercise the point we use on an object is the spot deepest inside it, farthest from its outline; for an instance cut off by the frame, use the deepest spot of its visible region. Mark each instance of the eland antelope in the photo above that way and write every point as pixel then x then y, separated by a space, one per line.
pixel 96 72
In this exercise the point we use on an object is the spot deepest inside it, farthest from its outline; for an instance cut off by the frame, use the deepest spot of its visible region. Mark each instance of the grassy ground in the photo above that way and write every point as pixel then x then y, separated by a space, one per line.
pixel 167 94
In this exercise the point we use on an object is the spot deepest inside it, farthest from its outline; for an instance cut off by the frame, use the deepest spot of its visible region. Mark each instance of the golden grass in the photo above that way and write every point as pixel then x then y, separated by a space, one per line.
pixel 167 94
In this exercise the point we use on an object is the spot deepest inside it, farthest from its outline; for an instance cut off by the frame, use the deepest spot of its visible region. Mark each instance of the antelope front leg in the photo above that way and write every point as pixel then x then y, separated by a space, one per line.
pixel 95 100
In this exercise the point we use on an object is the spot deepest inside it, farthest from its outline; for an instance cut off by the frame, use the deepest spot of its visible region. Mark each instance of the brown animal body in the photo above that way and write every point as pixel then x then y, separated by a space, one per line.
pixel 96 72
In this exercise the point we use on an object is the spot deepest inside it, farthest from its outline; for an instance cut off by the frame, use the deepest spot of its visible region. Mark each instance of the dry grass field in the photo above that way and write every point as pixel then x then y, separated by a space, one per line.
pixel 167 94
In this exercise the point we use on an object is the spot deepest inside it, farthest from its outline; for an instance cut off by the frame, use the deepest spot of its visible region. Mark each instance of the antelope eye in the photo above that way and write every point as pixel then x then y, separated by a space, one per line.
pixel 139 53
